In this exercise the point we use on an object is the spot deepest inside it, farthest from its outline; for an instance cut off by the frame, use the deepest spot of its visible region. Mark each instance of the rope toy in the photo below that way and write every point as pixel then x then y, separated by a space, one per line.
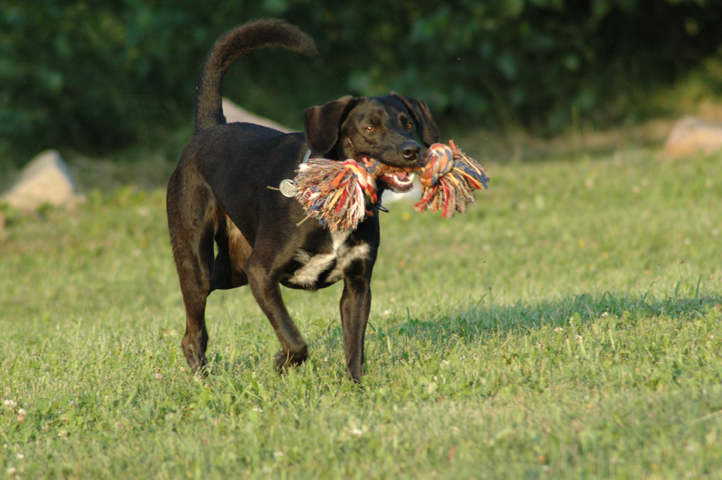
pixel 334 193
pixel 337 193
pixel 449 178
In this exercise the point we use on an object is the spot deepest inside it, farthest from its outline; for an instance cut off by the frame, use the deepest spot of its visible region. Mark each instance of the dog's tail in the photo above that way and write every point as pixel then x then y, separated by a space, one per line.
pixel 231 47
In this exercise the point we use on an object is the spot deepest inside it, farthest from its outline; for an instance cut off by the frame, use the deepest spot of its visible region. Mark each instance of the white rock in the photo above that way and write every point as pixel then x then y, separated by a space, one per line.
pixel 691 135
pixel 46 179
pixel 234 113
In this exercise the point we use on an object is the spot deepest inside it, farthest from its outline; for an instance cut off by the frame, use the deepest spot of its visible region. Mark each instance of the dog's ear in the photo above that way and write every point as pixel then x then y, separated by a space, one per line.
pixel 425 126
pixel 322 124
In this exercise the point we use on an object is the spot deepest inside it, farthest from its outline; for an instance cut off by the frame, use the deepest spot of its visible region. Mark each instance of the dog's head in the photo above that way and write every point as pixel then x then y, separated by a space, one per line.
pixel 380 128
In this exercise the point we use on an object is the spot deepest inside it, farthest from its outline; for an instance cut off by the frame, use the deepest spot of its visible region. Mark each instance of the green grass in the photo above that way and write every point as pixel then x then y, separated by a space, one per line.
pixel 568 326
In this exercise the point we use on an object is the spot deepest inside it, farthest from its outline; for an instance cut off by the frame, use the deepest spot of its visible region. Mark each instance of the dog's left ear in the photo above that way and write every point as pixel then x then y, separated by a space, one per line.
pixel 322 124
pixel 425 126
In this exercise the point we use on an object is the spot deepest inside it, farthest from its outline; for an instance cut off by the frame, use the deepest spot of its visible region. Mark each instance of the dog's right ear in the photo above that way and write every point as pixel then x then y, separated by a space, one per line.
pixel 322 124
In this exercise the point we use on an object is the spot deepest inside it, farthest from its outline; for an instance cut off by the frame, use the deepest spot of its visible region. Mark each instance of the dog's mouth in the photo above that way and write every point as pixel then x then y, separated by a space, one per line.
pixel 398 181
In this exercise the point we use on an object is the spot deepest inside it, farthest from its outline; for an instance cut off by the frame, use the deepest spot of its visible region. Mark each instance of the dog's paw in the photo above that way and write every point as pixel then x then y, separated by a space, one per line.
pixel 203 370
pixel 199 366
pixel 289 359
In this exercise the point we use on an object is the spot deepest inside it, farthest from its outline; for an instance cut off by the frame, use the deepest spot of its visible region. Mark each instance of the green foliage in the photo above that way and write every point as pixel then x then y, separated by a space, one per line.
pixel 97 76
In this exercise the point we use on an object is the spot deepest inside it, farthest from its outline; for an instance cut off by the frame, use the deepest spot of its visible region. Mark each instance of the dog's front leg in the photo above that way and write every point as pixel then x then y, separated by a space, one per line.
pixel 355 307
pixel 267 293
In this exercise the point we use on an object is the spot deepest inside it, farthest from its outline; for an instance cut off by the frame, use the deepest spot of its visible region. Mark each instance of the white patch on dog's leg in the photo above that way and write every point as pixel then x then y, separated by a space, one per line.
pixel 307 275
pixel 313 266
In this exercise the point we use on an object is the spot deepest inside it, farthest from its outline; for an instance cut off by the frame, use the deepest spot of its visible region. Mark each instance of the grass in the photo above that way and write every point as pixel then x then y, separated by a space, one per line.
pixel 568 326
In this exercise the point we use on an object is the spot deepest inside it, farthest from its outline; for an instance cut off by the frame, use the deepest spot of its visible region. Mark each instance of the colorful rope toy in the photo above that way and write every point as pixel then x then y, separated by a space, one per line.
pixel 336 193
pixel 448 178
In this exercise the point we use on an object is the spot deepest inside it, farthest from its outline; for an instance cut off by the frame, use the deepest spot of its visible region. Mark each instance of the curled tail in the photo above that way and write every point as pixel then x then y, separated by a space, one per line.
pixel 228 49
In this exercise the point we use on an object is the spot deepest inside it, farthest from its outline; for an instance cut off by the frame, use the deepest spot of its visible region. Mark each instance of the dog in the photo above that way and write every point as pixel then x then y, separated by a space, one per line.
pixel 219 193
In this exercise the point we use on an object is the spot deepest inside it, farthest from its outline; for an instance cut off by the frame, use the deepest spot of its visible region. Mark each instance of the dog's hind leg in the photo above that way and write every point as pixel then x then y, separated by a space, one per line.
pixel 233 251
pixel 191 221
pixel 267 292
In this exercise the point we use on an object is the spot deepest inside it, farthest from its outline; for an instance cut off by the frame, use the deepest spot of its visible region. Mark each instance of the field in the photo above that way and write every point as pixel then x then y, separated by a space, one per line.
pixel 568 326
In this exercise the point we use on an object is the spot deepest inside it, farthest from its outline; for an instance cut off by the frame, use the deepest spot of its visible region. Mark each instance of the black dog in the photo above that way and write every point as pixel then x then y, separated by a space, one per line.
pixel 219 192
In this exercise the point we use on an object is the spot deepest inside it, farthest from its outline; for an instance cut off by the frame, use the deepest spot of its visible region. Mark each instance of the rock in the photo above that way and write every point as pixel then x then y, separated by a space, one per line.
pixel 46 179
pixel 691 135
pixel 234 113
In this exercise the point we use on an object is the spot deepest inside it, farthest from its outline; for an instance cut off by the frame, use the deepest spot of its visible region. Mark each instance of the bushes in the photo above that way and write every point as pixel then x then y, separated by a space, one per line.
pixel 96 75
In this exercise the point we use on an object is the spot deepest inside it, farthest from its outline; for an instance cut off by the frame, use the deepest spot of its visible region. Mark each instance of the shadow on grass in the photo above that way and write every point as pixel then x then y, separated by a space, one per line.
pixel 478 320
pixel 472 322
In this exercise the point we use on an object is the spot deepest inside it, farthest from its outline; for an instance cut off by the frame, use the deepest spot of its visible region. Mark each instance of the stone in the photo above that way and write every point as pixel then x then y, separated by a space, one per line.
pixel 234 113
pixel 45 180
pixel 692 135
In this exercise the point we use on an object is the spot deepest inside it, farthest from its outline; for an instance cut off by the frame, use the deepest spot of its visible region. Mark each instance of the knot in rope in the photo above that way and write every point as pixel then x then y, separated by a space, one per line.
pixel 435 163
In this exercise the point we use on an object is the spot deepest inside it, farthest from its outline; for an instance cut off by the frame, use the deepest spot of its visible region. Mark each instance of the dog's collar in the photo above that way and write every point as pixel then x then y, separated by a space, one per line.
pixel 379 206
pixel 288 186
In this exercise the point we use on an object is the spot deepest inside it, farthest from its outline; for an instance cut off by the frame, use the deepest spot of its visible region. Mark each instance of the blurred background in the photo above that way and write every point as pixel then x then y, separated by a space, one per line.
pixel 115 80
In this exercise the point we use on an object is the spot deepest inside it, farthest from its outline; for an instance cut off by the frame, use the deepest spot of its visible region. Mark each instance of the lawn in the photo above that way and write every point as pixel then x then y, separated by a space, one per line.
pixel 568 326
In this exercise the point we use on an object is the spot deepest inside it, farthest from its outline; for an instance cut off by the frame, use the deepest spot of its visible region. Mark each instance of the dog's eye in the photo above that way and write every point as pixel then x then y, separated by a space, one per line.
pixel 370 128
pixel 409 126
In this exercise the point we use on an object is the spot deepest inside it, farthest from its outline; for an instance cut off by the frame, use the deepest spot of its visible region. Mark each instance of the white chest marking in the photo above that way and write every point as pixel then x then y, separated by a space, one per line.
pixel 340 258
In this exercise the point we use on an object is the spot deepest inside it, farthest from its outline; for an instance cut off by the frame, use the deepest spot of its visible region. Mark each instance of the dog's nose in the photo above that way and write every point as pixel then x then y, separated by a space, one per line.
pixel 410 150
